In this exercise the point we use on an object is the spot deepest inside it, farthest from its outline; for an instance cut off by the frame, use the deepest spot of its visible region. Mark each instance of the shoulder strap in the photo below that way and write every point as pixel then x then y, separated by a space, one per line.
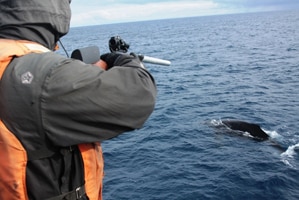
pixel 76 194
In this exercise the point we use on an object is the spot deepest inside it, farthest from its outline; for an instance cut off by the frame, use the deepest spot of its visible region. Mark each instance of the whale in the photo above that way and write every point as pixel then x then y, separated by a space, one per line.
pixel 245 128
pixel 254 130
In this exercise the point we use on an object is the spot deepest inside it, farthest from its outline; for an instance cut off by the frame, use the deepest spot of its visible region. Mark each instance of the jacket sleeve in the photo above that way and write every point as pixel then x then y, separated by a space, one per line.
pixel 82 103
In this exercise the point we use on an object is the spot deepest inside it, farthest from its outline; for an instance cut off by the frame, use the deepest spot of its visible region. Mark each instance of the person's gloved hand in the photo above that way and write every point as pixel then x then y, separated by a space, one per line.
pixel 121 59
pixel 110 58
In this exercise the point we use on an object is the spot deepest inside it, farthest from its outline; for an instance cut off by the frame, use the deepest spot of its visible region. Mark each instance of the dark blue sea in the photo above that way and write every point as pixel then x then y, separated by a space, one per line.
pixel 242 66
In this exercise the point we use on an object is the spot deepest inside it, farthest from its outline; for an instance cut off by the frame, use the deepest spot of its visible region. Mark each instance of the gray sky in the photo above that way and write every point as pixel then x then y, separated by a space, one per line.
pixel 96 12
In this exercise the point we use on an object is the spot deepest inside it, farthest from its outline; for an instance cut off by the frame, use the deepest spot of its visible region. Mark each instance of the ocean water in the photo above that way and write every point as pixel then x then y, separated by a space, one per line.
pixel 243 66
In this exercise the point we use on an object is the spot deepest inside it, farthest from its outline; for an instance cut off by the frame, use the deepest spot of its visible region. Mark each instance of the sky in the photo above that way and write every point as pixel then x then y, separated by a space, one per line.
pixel 97 12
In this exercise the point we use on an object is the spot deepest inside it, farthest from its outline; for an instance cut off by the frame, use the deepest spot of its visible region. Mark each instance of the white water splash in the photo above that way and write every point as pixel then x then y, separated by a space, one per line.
pixel 216 123
pixel 289 154
pixel 272 134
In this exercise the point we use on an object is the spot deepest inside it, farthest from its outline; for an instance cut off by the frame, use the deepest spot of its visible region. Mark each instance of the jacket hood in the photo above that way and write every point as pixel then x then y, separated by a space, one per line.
pixel 42 21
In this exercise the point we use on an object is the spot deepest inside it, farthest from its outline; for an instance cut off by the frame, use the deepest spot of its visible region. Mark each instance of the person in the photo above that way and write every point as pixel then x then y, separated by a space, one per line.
pixel 55 111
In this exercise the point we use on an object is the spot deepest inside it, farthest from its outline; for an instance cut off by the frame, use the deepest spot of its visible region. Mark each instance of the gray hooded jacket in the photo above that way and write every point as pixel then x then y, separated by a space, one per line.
pixel 67 102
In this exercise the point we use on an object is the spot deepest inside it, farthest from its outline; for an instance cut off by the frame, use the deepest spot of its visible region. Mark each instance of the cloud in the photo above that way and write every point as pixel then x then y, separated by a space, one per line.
pixel 94 12
pixel 119 12
pixel 266 4
pixel 154 10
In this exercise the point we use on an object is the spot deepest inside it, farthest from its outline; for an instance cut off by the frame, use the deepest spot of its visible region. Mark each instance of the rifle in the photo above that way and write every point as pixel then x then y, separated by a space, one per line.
pixel 91 54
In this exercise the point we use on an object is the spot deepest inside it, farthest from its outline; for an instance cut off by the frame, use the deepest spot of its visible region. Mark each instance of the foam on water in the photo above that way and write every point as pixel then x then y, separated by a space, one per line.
pixel 288 156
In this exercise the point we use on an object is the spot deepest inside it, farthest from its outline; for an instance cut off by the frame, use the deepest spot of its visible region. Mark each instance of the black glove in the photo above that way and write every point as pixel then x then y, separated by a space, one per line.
pixel 120 59
pixel 110 58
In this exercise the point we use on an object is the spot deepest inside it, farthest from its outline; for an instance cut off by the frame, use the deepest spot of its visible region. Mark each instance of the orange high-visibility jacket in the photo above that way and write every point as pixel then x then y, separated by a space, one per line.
pixel 13 156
